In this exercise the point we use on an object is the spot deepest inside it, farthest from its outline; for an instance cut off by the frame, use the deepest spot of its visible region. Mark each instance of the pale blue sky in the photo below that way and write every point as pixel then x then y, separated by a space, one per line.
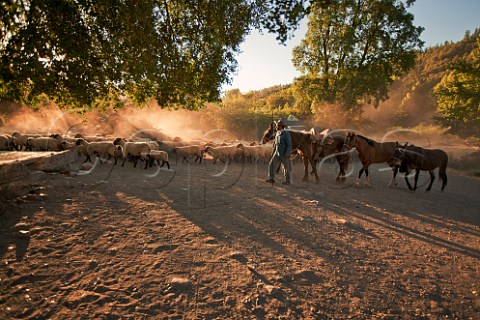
pixel 264 63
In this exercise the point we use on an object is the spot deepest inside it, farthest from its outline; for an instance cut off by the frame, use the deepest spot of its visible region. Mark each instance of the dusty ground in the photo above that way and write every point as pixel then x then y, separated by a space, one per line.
pixel 200 242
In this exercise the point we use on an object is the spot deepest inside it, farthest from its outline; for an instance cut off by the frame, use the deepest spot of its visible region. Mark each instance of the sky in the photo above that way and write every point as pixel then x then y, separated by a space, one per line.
pixel 263 62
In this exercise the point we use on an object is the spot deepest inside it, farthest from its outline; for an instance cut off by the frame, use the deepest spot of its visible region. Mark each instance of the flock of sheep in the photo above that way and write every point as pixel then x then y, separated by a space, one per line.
pixel 151 151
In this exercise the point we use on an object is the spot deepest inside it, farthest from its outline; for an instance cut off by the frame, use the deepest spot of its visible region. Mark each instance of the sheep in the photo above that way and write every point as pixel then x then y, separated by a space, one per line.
pixel 169 146
pixel 100 148
pixel 11 141
pixel 66 145
pixel 5 143
pixel 20 140
pixel 44 144
pixel 132 149
pixel 224 153
pixel 187 151
pixel 119 152
pixel 156 155
pixel 253 153
pixel 90 138
pixel 82 152
pixel 153 145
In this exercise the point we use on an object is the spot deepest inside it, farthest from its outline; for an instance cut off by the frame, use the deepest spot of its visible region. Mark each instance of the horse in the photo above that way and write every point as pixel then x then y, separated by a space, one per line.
pixel 301 141
pixel 335 147
pixel 412 157
pixel 370 151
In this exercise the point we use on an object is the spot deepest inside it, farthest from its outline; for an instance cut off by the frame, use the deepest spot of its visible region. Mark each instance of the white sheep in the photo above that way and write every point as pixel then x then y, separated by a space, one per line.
pixel 253 153
pixel 156 155
pixel 20 140
pixel 267 152
pixel 224 153
pixel 44 144
pixel 187 151
pixel 132 149
pixel 99 148
pixel 90 138
pixel 153 145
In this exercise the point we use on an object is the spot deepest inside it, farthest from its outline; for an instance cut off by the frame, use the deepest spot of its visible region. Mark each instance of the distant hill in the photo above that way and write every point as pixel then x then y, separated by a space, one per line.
pixel 412 100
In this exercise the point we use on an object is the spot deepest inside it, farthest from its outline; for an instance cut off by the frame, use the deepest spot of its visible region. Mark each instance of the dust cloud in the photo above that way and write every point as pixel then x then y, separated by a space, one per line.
pixel 153 121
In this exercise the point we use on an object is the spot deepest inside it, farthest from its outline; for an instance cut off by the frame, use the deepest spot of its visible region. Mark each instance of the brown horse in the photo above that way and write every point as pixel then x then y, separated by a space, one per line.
pixel 333 148
pixel 412 157
pixel 301 141
pixel 370 151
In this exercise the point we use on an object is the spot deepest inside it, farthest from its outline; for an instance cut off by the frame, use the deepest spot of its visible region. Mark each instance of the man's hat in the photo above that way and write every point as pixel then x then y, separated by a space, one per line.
pixel 280 123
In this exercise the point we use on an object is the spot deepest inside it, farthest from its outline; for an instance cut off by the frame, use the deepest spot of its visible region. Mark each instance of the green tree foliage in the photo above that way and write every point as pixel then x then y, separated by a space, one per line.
pixel 177 51
pixel 458 96
pixel 353 49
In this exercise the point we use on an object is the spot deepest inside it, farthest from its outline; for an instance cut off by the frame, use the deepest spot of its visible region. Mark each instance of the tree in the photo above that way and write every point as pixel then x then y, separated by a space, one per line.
pixel 458 96
pixel 177 51
pixel 354 49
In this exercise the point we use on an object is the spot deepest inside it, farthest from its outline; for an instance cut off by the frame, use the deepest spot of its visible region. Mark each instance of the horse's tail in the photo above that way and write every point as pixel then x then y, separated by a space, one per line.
pixel 442 170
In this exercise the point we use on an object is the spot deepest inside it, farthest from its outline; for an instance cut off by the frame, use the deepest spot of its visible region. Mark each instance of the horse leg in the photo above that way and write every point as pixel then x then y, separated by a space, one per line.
pixel 357 182
pixel 344 166
pixel 368 182
pixel 314 168
pixel 393 182
pixel 341 173
pixel 315 164
pixel 305 165
pixel 432 177
pixel 443 176
pixel 407 173
pixel 417 173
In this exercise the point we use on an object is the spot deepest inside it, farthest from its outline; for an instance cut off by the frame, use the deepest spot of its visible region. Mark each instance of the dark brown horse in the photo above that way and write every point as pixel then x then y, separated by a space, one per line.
pixel 301 141
pixel 412 157
pixel 370 151
pixel 333 147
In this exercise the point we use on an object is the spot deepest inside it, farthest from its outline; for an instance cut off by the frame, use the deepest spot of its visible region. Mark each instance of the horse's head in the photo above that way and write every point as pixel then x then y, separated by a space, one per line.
pixel 269 133
pixel 350 140
pixel 399 154
pixel 322 143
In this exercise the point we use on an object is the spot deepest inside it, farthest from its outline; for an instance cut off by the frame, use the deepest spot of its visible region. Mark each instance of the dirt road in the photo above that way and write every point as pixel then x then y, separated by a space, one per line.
pixel 214 242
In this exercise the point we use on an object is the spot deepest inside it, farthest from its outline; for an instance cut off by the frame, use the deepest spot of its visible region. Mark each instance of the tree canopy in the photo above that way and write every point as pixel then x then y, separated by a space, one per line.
pixel 177 51
pixel 354 49
pixel 458 95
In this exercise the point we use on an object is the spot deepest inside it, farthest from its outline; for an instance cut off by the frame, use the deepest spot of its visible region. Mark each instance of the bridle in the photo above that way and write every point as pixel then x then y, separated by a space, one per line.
pixel 272 130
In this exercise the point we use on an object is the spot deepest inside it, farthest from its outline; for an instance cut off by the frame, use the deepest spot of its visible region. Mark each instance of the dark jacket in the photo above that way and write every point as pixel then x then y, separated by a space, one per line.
pixel 283 143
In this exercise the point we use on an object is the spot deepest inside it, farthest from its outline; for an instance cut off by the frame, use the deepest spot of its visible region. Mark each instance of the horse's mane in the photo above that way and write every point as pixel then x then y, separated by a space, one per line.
pixel 368 140
pixel 306 133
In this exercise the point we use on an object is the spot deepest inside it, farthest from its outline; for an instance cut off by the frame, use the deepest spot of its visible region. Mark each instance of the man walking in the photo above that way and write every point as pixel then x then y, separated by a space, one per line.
pixel 282 147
